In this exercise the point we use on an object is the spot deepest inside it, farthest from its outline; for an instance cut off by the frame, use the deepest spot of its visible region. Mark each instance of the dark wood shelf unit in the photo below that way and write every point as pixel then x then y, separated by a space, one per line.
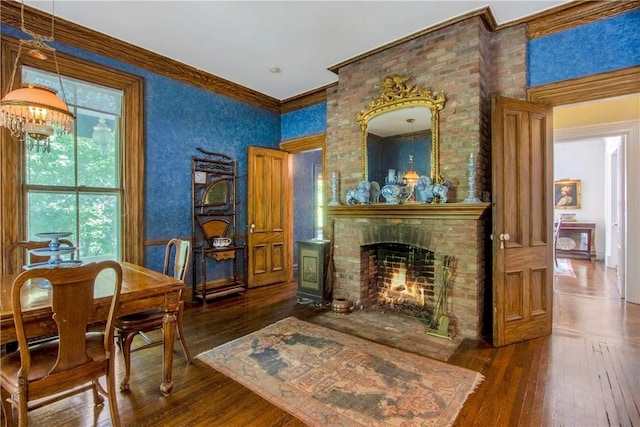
pixel 213 177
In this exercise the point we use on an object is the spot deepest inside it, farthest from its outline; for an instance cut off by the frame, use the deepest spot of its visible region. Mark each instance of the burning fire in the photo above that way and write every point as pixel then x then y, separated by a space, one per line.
pixel 400 290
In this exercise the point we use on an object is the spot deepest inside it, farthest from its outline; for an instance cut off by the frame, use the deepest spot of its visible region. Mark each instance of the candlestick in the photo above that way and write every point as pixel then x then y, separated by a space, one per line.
pixel 334 190
pixel 471 170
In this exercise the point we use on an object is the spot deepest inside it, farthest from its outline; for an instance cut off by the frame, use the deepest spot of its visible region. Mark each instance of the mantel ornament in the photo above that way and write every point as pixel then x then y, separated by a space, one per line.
pixel 383 125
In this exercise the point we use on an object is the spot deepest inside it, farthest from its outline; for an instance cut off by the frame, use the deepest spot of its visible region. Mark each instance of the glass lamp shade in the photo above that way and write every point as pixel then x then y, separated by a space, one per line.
pixel 411 177
pixel 36 111
pixel 102 135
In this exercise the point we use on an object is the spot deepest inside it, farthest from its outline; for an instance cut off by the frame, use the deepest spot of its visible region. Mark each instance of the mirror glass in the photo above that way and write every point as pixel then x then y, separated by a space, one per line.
pixel 217 193
pixel 400 132
pixel 399 140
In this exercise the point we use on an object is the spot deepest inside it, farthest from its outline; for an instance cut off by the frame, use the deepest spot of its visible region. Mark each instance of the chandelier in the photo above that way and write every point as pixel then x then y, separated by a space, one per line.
pixel 34 113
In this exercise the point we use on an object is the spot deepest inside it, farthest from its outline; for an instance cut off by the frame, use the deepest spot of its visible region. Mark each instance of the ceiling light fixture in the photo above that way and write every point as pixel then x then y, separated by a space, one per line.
pixel 33 113
pixel 411 177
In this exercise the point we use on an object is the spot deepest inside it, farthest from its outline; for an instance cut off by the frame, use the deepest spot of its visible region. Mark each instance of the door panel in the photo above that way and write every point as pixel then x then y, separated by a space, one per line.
pixel 269 238
pixel 522 221
pixel 277 257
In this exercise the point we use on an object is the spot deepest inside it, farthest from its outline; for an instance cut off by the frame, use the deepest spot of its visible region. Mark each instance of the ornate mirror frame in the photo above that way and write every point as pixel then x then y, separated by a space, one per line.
pixel 398 93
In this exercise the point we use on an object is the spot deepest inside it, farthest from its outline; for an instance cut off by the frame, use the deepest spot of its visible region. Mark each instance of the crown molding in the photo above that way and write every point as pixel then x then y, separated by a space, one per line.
pixel 306 99
pixel 95 42
pixel 575 14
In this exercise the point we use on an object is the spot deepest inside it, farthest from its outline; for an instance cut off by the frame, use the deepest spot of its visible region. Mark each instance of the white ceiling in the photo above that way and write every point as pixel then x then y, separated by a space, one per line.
pixel 240 40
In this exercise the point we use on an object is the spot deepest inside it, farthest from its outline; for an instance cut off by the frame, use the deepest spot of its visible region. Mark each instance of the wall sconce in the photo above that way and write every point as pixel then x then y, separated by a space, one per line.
pixel 33 113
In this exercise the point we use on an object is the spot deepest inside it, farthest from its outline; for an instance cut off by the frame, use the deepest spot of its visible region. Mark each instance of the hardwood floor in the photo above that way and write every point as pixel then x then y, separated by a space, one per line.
pixel 587 373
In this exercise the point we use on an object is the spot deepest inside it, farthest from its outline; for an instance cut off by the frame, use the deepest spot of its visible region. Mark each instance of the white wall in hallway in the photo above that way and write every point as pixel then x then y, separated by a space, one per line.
pixel 585 160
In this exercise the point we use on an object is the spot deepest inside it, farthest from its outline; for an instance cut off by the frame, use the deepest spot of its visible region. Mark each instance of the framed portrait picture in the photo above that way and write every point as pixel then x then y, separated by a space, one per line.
pixel 567 194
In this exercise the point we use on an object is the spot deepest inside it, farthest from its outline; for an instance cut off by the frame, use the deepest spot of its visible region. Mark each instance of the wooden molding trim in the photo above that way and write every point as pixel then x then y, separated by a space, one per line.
pixel 306 99
pixel 462 211
pixel 305 143
pixel 81 37
pixel 598 86
pixel 575 14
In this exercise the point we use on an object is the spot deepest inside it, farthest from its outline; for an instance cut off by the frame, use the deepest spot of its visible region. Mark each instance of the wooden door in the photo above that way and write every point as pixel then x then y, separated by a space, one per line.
pixel 522 150
pixel 270 232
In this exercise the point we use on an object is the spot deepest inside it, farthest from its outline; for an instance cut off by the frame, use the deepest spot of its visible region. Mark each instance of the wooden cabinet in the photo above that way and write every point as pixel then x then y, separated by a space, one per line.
pixel 215 245
pixel 576 240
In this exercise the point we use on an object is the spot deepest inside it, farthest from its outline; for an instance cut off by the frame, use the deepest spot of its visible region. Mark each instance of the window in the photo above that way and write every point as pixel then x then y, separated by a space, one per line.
pixel 77 186
pixel 14 220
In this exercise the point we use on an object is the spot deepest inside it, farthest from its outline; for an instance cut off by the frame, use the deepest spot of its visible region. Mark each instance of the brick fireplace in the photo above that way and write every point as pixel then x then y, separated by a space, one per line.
pixel 469 63
pixel 454 229
pixel 400 277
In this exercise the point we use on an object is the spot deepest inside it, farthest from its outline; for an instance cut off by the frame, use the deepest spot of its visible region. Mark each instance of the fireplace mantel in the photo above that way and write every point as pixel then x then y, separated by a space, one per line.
pixel 411 210
pixel 452 229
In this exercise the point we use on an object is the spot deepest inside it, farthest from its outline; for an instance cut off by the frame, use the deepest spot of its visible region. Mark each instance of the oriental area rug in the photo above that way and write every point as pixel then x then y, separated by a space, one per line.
pixel 324 377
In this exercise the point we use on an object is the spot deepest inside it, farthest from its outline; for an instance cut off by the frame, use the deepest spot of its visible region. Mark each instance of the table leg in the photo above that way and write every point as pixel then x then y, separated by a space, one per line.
pixel 168 331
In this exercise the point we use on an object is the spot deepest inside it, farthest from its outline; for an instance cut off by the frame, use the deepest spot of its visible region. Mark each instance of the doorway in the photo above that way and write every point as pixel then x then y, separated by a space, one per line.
pixel 594 138
pixel 307 199
pixel 307 154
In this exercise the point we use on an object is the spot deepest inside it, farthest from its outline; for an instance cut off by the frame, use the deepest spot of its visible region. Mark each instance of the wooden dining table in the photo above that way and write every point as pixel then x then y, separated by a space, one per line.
pixel 142 289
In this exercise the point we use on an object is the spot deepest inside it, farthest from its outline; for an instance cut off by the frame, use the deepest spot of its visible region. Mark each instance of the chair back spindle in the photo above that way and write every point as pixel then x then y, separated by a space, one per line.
pixel 182 249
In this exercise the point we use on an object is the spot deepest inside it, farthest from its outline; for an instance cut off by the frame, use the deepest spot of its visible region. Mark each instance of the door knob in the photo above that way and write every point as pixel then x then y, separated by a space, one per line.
pixel 252 227
pixel 503 237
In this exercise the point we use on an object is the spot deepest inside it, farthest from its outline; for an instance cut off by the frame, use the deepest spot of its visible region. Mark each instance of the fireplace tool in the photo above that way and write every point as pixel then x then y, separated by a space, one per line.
pixel 440 322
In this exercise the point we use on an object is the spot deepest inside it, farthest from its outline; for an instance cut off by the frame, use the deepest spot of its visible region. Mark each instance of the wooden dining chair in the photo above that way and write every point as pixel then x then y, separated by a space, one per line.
pixel 132 325
pixel 49 371
pixel 28 257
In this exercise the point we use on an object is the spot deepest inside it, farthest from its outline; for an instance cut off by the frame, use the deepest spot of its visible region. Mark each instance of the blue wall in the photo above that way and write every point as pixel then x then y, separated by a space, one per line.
pixel 178 118
pixel 606 45
pixel 305 121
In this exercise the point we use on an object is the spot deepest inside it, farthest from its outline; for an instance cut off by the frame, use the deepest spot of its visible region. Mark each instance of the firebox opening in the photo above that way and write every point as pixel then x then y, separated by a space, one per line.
pixel 401 278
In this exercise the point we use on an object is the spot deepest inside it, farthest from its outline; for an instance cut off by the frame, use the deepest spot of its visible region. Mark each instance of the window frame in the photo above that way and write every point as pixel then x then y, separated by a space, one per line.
pixel 12 153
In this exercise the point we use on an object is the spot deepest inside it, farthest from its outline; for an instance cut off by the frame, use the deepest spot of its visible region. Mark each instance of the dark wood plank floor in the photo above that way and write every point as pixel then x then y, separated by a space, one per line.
pixel 587 373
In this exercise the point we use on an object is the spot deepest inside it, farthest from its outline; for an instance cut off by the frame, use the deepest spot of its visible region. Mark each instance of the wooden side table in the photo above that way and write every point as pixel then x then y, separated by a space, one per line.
pixel 577 240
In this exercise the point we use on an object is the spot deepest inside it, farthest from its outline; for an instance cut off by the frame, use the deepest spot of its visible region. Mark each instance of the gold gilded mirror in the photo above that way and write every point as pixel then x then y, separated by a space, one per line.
pixel 400 131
